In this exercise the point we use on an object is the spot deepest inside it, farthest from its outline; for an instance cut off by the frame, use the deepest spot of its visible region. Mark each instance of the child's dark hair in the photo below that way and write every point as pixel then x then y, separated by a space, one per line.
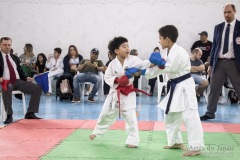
pixel 115 43
pixel 169 31
pixel 44 59
pixel 58 50
pixel 113 55
pixel 157 48
pixel 133 52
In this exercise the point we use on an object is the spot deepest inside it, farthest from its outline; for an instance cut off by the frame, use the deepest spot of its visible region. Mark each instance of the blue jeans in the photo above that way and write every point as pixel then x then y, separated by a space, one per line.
pixel 198 79
pixel 86 77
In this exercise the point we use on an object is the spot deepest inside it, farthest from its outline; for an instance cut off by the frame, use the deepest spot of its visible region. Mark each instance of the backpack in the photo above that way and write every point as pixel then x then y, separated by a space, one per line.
pixel 64 87
pixel 232 97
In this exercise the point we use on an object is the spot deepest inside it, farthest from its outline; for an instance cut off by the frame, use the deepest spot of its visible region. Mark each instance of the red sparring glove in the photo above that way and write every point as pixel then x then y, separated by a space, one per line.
pixel 123 81
pixel 5 84
pixel 162 67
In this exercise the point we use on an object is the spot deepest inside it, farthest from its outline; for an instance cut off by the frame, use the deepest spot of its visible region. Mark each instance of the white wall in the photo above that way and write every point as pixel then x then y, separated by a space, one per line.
pixel 92 23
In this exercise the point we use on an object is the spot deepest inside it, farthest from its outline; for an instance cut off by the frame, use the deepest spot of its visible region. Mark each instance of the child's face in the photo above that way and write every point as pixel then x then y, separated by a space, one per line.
pixel 163 42
pixel 56 55
pixel 123 51
pixel 40 58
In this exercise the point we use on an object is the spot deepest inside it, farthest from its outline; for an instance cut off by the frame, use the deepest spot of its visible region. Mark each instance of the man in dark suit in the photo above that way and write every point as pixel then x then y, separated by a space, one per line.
pixel 12 78
pixel 225 59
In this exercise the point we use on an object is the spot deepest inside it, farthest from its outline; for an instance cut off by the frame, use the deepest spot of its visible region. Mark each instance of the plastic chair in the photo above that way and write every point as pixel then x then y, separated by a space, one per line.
pixel 3 113
pixel 160 86
pixel 140 84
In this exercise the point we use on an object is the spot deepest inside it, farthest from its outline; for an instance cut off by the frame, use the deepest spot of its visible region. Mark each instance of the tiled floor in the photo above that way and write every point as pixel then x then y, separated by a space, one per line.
pixel 50 108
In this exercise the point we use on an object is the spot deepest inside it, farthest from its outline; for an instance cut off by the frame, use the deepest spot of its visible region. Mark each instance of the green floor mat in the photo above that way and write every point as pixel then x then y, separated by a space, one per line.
pixel 111 146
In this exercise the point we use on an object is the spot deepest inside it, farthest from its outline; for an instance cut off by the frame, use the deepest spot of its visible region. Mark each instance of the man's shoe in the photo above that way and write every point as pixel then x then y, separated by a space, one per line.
pixel 91 100
pixel 8 120
pixel 198 98
pixel 205 117
pixel 31 116
pixel 76 100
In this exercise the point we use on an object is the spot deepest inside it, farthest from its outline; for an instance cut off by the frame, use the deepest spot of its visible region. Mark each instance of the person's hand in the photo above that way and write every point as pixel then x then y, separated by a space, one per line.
pixel 163 66
pixel 54 69
pixel 123 80
pixel 155 58
pixel 209 71
pixel 1 79
pixel 87 63
pixel 29 79
pixel 50 56
pixel 73 67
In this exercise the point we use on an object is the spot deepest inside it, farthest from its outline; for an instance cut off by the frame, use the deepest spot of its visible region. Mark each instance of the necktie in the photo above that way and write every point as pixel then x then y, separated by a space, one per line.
pixel 11 71
pixel 226 40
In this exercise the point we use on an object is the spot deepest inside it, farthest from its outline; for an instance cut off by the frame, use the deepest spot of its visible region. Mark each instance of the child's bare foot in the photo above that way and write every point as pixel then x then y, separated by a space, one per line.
pixel 92 136
pixel 131 146
pixel 191 153
pixel 175 146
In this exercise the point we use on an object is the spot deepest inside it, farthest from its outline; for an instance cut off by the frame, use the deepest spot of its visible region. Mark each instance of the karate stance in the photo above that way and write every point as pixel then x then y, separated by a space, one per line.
pixel 180 104
pixel 120 81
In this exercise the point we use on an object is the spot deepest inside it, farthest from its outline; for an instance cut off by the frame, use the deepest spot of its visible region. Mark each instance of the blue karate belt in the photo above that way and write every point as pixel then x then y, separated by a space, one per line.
pixel 171 84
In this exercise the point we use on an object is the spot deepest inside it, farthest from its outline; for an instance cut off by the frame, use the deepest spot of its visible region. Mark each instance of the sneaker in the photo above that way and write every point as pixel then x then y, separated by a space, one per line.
pixel 76 100
pixel 90 99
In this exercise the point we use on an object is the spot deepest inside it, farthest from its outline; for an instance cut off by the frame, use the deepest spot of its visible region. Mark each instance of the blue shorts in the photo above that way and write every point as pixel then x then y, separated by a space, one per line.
pixel 198 79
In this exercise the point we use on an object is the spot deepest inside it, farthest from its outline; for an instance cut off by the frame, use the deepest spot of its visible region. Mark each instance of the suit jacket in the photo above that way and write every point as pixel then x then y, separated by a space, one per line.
pixel 19 68
pixel 217 38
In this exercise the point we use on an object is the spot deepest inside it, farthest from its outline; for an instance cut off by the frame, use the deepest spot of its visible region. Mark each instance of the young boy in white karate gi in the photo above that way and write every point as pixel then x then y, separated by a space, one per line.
pixel 115 77
pixel 180 104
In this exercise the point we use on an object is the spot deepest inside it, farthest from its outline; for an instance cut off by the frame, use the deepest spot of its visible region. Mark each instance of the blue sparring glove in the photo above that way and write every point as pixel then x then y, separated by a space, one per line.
pixel 130 71
pixel 143 71
pixel 155 58
pixel 134 72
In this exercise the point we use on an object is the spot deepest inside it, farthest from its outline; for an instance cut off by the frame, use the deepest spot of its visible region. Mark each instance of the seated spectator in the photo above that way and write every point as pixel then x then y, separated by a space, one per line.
pixel 28 60
pixel 151 82
pixel 12 78
pixel 197 68
pixel 55 66
pixel 89 69
pixel 204 44
pixel 71 60
pixel 41 63
pixel 106 87
pixel 134 52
